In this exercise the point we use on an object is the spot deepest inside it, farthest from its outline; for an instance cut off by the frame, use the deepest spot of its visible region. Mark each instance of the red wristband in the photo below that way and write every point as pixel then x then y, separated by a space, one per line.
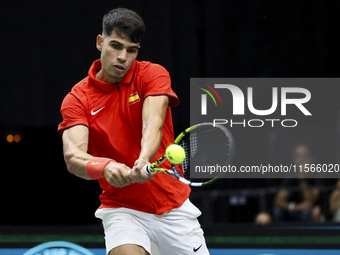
pixel 95 167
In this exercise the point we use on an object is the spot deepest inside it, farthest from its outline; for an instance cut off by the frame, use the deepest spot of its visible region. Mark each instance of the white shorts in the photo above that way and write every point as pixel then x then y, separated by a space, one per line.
pixel 174 232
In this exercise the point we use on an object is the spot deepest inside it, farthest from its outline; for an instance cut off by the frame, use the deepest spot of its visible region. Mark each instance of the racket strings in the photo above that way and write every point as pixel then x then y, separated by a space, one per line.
pixel 186 161
pixel 206 146
pixel 193 143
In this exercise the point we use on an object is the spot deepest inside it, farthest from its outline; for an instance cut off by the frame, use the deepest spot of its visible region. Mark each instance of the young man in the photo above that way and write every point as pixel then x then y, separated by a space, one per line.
pixel 117 120
pixel 302 204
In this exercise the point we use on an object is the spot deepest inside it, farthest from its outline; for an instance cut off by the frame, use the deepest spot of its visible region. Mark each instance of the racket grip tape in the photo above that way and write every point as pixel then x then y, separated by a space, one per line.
pixel 146 169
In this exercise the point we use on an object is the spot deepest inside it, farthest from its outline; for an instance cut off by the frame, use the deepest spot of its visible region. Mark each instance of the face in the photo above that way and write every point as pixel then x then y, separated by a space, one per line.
pixel 303 155
pixel 117 56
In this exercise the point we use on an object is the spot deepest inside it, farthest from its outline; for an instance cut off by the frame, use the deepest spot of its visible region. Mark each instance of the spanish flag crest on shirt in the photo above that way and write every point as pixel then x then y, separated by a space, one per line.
pixel 134 98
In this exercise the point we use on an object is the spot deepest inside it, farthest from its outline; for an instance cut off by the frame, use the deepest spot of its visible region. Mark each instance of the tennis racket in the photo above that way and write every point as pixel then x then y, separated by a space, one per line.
pixel 204 144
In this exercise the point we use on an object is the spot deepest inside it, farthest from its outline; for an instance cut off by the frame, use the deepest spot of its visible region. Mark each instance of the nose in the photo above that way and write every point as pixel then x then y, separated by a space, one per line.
pixel 122 55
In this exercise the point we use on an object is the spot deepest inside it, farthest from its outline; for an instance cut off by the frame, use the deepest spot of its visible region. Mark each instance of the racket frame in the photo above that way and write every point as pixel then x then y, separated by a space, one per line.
pixel 174 172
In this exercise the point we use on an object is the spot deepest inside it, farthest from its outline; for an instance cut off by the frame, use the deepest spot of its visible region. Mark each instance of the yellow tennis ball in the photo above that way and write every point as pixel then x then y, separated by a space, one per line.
pixel 175 154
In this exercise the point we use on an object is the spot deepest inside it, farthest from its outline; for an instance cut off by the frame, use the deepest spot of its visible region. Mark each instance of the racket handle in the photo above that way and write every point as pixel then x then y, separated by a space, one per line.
pixel 146 169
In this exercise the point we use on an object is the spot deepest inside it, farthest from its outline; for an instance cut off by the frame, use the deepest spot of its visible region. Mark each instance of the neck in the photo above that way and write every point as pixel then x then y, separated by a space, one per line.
pixel 105 78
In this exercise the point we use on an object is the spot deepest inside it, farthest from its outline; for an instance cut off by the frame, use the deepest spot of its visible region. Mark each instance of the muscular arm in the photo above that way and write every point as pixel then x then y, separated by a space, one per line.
pixel 334 199
pixel 75 141
pixel 281 199
pixel 154 112
pixel 311 195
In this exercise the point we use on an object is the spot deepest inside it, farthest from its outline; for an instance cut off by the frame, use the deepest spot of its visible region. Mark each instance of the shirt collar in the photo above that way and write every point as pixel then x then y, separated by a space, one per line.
pixel 107 87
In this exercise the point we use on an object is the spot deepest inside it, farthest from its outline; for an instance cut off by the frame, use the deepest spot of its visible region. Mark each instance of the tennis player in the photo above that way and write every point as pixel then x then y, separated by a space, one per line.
pixel 117 120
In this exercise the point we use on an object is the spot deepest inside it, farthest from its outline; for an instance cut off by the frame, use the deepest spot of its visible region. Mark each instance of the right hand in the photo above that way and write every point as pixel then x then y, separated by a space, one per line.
pixel 117 174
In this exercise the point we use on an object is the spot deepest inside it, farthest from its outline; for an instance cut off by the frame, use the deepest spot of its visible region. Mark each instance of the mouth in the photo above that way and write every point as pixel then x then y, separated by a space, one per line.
pixel 119 67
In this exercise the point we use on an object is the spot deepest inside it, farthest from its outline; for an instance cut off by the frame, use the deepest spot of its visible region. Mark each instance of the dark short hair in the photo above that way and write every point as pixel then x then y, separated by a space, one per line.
pixel 124 21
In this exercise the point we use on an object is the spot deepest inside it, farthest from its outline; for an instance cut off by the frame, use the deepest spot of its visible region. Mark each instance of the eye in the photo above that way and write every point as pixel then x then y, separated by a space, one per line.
pixel 117 46
pixel 131 50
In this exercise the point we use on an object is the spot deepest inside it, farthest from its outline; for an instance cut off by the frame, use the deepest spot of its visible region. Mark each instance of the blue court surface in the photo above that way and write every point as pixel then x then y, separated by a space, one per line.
pixel 272 252
pixel 216 252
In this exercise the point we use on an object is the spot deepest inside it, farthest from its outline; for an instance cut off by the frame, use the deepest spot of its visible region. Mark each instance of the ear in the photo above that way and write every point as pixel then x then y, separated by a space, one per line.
pixel 100 41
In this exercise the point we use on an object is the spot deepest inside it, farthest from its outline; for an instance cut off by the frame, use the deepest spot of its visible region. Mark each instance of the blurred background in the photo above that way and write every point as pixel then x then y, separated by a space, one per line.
pixel 48 46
